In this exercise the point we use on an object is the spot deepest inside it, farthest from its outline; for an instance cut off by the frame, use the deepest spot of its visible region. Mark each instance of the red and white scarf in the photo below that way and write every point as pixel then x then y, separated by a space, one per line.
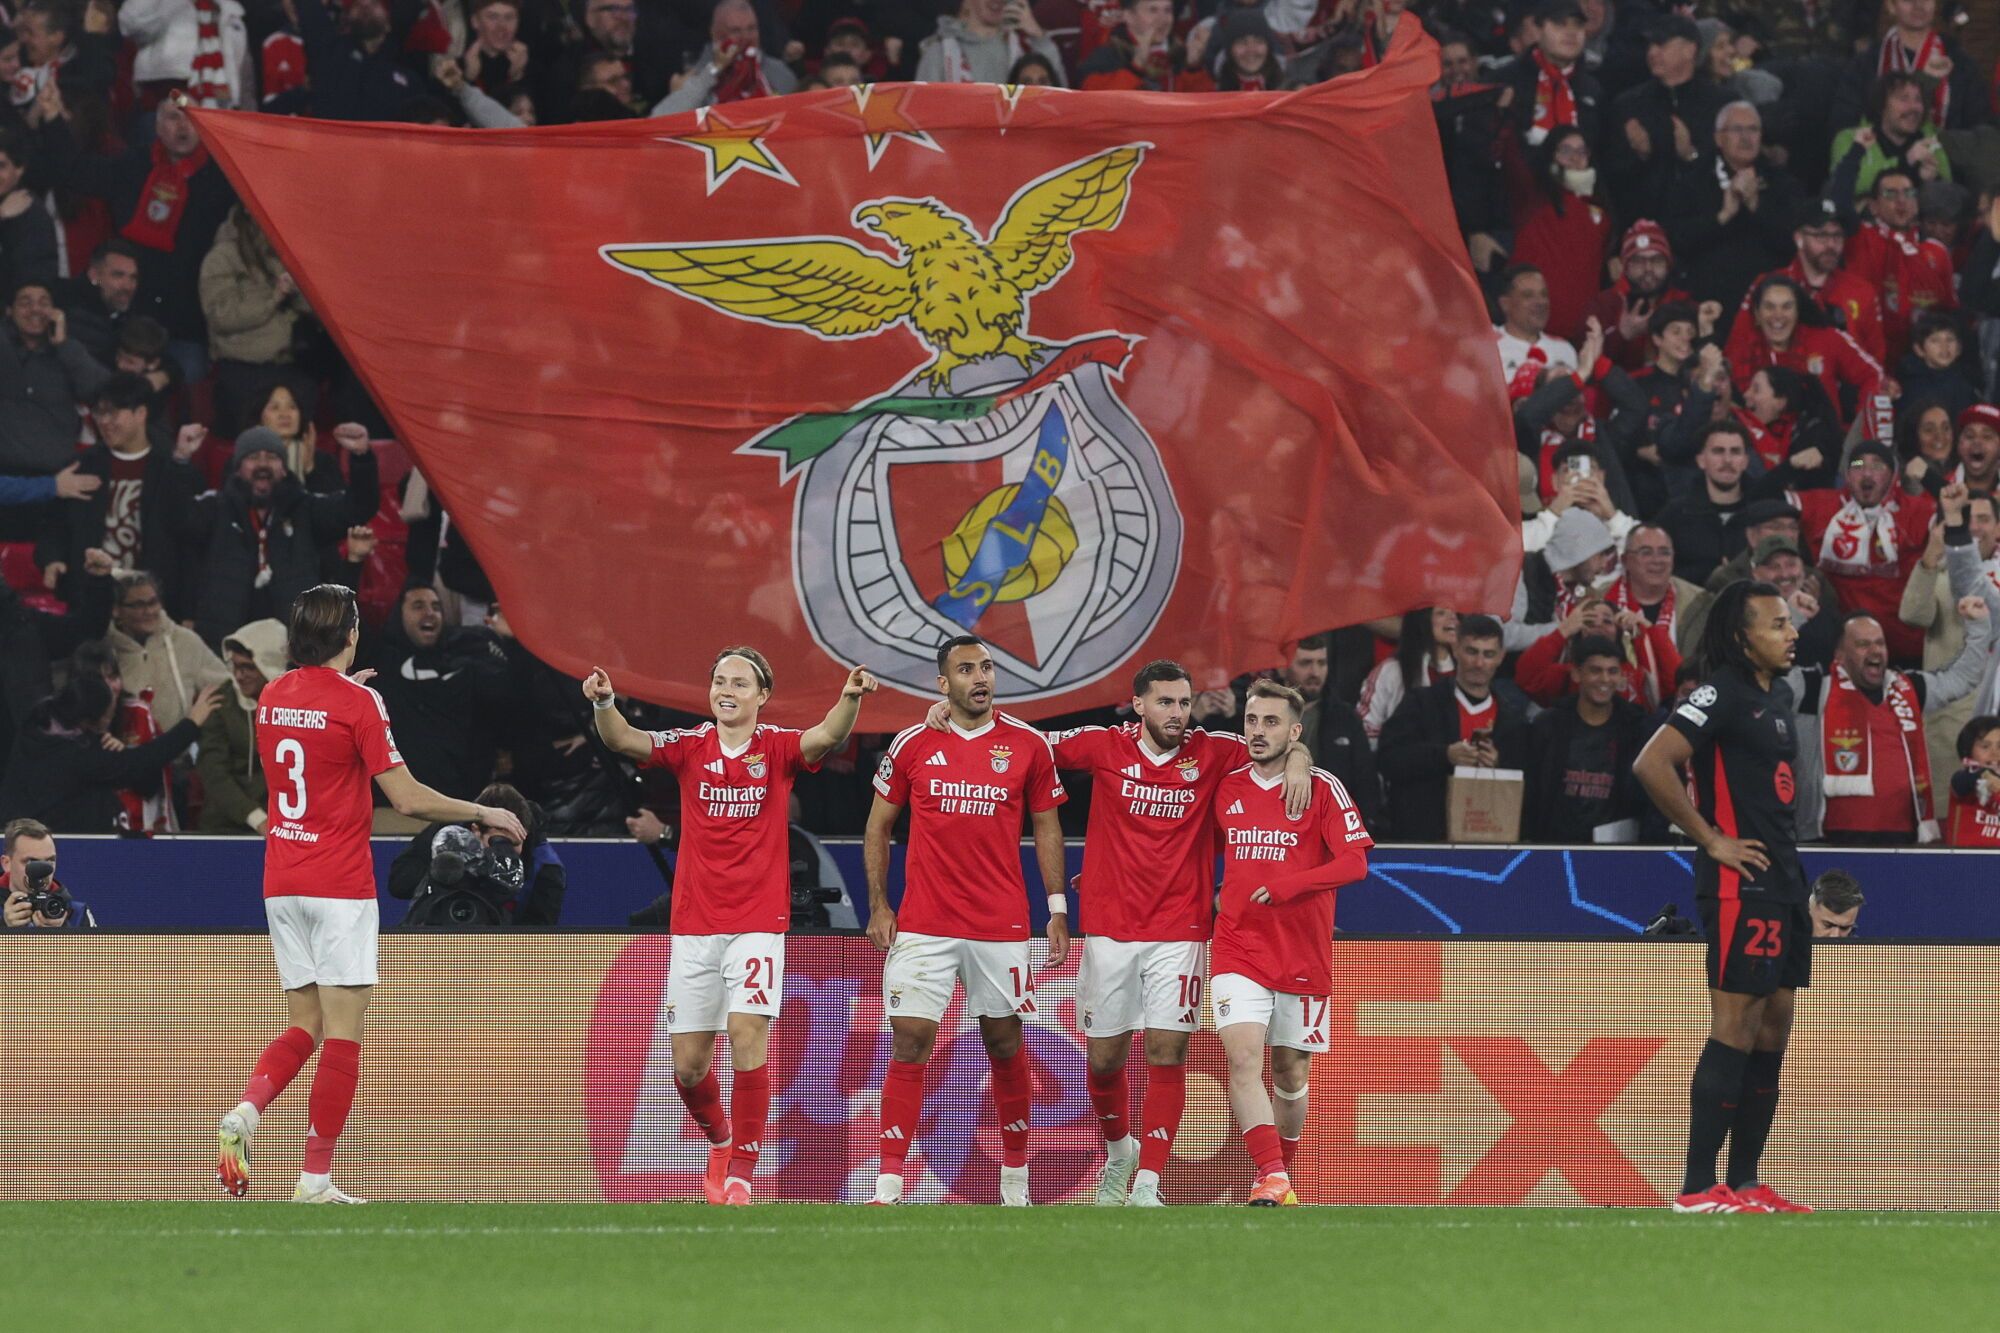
pixel 1909 241
pixel 1555 104
pixel 1620 596
pixel 743 80
pixel 139 813
pixel 163 199
pixel 208 75
pixel 1896 59
pixel 1773 443
pixel 1849 752
pixel 1861 542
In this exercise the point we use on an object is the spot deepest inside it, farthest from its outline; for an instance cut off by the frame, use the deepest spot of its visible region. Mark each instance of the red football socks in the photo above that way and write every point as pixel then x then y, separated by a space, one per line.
pixel 331 1098
pixel 1111 1100
pixel 1013 1091
pixel 902 1108
pixel 749 1104
pixel 278 1066
pixel 1160 1117
pixel 704 1103
pixel 1262 1141
pixel 1290 1148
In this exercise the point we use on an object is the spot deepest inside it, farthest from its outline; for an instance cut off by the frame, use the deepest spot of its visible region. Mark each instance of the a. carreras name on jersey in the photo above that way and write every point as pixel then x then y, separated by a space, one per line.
pixel 312 719
pixel 1158 802
pixel 732 802
pixel 1261 844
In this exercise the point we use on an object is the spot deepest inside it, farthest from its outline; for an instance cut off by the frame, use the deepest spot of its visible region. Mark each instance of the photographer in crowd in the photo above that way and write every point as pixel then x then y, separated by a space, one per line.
pixel 33 896
pixel 457 875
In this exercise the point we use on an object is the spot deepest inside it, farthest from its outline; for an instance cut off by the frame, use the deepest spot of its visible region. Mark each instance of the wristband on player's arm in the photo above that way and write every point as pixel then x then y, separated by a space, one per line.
pixel 604 705
pixel 1058 904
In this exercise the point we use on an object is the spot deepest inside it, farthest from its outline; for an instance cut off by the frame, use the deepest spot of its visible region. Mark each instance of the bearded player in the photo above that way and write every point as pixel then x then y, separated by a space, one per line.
pixel 964 914
pixel 732 890
pixel 320 738
pixel 1273 952
pixel 1148 891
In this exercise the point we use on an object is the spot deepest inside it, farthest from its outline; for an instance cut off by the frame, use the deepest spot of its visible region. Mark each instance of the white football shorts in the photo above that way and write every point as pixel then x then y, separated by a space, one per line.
pixel 918 975
pixel 710 977
pixel 1297 1022
pixel 1126 985
pixel 324 941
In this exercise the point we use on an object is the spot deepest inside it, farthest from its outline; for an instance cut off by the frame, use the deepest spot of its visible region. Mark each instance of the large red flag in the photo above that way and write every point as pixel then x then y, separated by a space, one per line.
pixel 1099 377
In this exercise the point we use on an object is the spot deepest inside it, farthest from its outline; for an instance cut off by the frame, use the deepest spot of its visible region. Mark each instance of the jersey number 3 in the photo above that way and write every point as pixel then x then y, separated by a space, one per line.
pixel 292 757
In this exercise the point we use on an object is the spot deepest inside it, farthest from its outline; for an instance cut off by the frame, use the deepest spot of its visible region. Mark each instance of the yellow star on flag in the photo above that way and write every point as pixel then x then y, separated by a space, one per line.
pixel 882 118
pixel 731 148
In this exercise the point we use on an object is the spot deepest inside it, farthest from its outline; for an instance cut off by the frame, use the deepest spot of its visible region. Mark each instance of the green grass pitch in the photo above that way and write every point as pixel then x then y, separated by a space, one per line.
pixel 582 1268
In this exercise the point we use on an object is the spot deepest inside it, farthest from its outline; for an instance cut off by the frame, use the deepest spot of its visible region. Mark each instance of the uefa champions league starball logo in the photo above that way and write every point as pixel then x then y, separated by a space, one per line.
pixel 1002 487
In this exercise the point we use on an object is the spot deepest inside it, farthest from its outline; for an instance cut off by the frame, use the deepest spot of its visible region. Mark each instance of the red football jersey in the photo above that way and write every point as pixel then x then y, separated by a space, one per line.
pixel 1149 852
pixel 968 793
pixel 734 870
pixel 321 739
pixel 1287 943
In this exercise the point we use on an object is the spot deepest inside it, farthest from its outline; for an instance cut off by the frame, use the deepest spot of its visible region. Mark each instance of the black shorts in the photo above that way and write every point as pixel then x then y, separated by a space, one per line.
pixel 1756 946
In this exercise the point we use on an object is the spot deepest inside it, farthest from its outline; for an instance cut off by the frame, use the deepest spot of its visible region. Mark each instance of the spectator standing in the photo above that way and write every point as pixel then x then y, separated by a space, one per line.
pixel 167 196
pixel 254 310
pixel 97 304
pixel 1958 562
pixel 1935 371
pixel 1703 522
pixel 1423 656
pixel 1247 53
pixel 43 378
pixel 256 542
pixel 1552 86
pixel 355 70
pixel 145 487
pixel 982 41
pixel 1524 322
pixel 731 68
pixel 162 664
pixel 1561 226
pixel 647 54
pixel 1978 448
pixel 1912 272
pixel 1791 428
pixel 1580 786
pixel 232 778
pixel 446 689
pixel 495 58
pixel 1452 723
pixel 1785 333
pixel 1733 211
pixel 63 773
pixel 1651 135
pixel 1898 133
pixel 171 34
pixel 1645 286
pixel 1915 45
pixel 1142 55
pixel 1864 768
pixel 27 228
pixel 1647 583
pixel 1849 302
pixel 1868 539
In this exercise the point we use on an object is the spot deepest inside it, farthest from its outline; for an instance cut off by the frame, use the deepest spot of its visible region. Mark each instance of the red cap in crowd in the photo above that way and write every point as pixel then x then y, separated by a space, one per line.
pixel 1984 413
pixel 1646 237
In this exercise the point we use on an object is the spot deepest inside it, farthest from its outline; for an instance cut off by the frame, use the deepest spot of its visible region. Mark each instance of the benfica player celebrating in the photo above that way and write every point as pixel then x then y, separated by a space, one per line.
pixel 1273 953
pixel 320 738
pixel 964 916
pixel 732 890
pixel 1149 884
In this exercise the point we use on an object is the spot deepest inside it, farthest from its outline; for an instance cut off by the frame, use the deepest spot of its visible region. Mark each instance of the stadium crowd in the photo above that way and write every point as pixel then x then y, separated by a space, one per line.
pixel 1744 259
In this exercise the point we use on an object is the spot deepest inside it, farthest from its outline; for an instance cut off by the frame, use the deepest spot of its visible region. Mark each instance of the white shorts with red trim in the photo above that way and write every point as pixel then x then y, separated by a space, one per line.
pixel 920 971
pixel 1126 985
pixel 324 941
pixel 710 977
pixel 1297 1022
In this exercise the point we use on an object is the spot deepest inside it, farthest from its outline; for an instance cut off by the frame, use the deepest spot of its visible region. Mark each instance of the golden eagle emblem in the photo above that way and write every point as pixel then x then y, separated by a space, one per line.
pixel 964 295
